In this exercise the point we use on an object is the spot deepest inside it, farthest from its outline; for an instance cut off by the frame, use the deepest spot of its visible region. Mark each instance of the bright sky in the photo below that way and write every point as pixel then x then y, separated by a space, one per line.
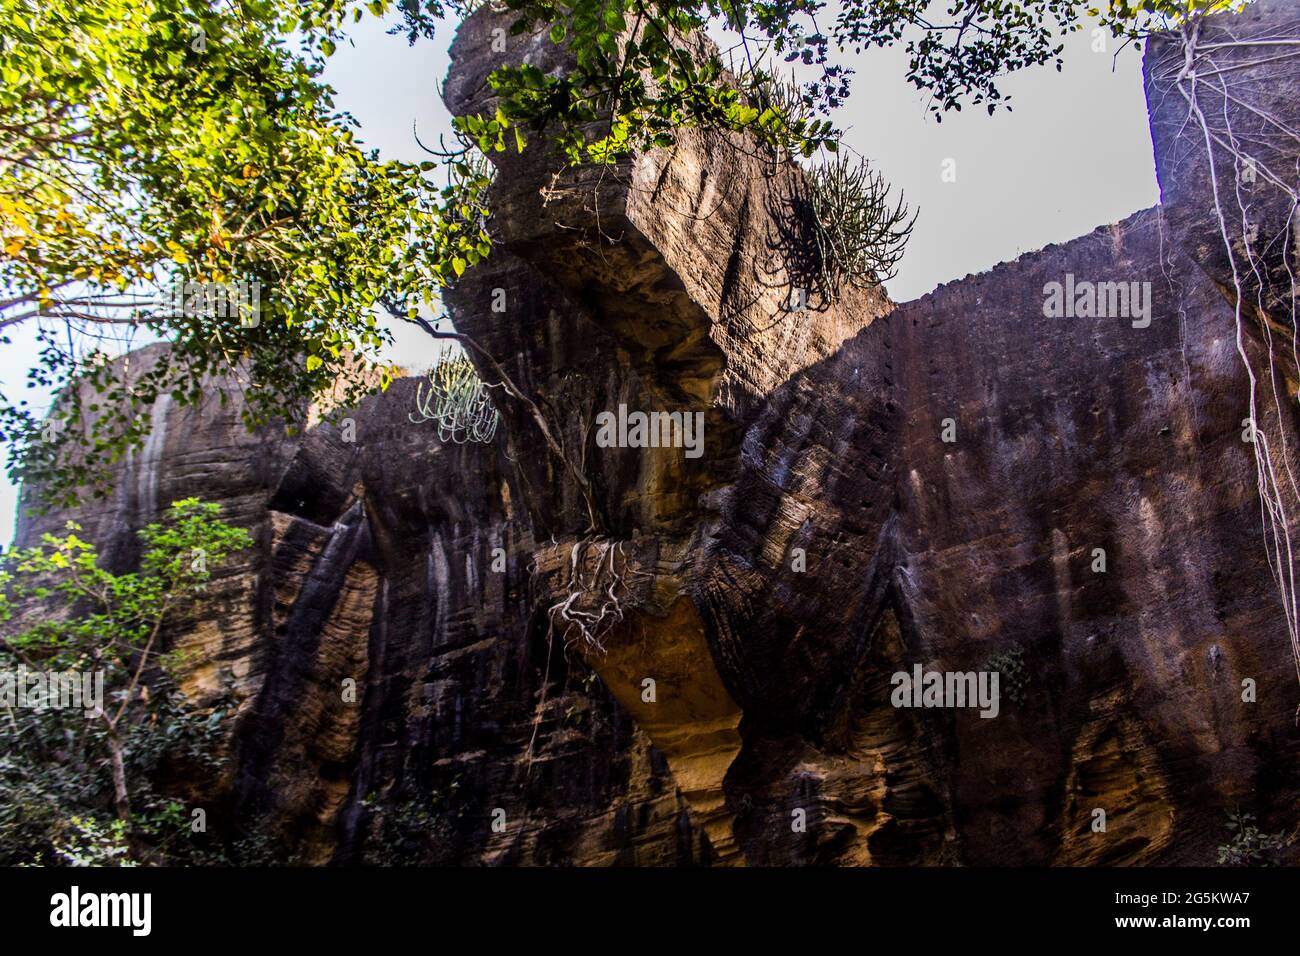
pixel 1074 154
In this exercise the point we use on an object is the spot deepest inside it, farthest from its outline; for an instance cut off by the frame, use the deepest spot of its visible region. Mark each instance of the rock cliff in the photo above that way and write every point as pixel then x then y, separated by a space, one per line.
pixel 882 486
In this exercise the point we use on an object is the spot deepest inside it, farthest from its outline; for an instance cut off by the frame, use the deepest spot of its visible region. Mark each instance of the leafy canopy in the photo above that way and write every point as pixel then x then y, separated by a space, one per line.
pixel 636 75
pixel 146 142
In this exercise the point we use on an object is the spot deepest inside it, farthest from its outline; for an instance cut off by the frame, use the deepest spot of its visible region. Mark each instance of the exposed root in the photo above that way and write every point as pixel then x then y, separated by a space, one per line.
pixel 593 604
pixel 1274 471
pixel 596 593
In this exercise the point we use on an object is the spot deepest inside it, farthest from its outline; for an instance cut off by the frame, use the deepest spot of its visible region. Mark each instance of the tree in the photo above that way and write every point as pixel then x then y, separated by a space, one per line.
pixel 83 619
pixel 634 71
pixel 152 146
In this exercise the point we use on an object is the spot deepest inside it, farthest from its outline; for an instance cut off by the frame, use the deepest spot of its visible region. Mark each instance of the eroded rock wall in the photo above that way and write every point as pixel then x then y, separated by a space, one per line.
pixel 1066 435
pixel 374 565
pixel 881 487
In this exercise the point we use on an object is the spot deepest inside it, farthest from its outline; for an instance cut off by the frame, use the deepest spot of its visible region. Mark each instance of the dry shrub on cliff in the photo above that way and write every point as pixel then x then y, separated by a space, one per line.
pixel 456 399
pixel 859 233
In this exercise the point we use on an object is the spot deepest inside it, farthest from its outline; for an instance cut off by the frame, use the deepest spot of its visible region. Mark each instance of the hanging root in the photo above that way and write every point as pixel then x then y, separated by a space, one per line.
pixel 1275 475
pixel 595 594
pixel 596 591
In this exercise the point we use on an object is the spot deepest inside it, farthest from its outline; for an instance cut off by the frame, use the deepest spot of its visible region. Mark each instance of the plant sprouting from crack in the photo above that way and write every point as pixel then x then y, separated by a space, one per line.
pixel 1014 677
pixel 859 234
pixel 1250 846
pixel 456 399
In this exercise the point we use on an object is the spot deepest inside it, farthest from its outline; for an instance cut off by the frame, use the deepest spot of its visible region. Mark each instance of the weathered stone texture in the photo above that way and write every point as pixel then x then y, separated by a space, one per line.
pixel 828 537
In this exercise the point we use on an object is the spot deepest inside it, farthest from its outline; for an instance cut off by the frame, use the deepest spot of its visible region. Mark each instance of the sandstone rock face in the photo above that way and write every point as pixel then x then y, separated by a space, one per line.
pixel 1223 116
pixel 882 487
pixel 373 565
pixel 1070 435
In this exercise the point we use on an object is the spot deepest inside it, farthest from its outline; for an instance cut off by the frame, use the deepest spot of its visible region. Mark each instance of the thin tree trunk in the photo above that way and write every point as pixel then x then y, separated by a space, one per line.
pixel 121 801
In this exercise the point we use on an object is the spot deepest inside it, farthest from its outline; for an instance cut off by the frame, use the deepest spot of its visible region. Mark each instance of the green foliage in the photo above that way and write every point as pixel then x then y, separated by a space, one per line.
pixel 637 81
pixel 1249 845
pixel 860 235
pixel 405 830
pixel 461 233
pixel 1133 15
pixel 148 141
pixel 86 841
pixel 122 613
pixel 1010 664
pixel 58 764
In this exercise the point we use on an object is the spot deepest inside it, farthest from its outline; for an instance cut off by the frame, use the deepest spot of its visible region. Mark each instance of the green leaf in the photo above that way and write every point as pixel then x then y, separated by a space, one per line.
pixel 614 16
